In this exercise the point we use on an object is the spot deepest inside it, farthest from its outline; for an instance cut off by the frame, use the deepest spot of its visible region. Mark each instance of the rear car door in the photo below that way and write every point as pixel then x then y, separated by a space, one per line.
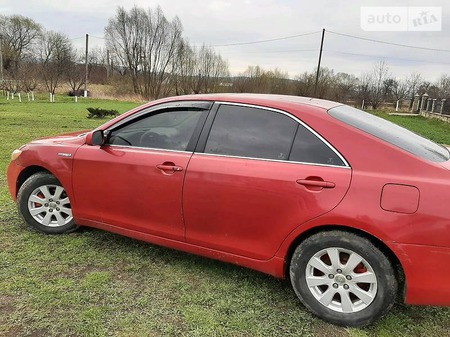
pixel 135 180
pixel 256 175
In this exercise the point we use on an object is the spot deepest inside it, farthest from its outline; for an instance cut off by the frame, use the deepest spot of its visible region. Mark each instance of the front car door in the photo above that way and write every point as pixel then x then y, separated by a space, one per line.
pixel 135 180
pixel 257 175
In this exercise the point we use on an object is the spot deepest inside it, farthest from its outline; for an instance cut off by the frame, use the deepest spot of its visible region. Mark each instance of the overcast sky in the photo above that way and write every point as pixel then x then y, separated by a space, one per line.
pixel 219 22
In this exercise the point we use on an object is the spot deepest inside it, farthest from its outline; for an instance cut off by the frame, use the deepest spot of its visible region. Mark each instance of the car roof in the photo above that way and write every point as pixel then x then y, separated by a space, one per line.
pixel 293 104
pixel 262 99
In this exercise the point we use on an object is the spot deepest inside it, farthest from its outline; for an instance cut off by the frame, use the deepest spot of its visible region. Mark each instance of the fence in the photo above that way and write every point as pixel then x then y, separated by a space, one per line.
pixel 431 107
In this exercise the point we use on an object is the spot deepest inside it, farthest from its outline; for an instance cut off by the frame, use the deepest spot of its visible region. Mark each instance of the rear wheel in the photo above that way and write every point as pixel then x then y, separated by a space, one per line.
pixel 44 204
pixel 343 278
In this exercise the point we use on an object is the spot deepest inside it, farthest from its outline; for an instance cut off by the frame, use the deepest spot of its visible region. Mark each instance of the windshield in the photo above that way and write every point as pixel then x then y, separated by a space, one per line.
pixel 391 133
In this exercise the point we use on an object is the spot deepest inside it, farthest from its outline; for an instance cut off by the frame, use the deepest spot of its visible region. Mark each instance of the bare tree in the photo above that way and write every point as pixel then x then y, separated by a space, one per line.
pixel 400 91
pixel 413 82
pixel 97 56
pixel 364 89
pixel 278 81
pixel 55 59
pixel 325 81
pixel 378 77
pixel 304 84
pixel 388 87
pixel 99 65
pixel 431 89
pixel 185 68
pixel 146 43
pixel 18 34
pixel 344 87
pixel 444 86
pixel 253 79
pixel 208 68
pixel 28 74
pixel 75 70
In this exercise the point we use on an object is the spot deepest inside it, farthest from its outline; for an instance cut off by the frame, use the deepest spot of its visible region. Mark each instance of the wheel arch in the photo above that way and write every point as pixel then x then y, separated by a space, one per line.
pixel 392 257
pixel 28 172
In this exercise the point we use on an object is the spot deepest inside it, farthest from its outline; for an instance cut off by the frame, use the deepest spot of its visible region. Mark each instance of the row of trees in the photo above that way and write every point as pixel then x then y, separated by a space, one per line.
pixel 32 57
pixel 157 58
pixel 371 89
pixel 143 47
pixel 148 56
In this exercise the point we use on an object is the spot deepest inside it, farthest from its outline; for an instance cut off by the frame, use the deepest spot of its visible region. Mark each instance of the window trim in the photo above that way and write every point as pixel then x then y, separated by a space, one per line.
pixel 201 105
pixel 146 148
pixel 271 160
pixel 213 112
pixel 204 106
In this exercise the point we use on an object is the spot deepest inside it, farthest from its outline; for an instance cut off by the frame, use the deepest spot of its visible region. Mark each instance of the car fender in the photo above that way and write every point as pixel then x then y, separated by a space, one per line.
pixel 56 159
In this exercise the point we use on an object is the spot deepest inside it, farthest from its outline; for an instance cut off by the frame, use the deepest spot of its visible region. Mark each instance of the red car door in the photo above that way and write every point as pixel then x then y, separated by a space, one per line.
pixel 135 180
pixel 261 175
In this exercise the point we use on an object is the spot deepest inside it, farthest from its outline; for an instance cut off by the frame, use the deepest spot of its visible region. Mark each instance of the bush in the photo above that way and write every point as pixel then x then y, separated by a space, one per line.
pixel 79 93
pixel 101 113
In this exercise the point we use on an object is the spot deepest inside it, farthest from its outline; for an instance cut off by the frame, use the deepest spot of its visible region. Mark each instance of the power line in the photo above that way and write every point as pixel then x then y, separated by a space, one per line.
pixel 336 52
pixel 300 35
pixel 264 41
pixel 383 56
pixel 272 51
pixel 390 43
pixel 77 38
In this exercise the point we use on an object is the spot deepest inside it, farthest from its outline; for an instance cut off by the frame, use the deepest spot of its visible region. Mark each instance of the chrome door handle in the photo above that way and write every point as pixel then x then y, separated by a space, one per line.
pixel 316 183
pixel 169 167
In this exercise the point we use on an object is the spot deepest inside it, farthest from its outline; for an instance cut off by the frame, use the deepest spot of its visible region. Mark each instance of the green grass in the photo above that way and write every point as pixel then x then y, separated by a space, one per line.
pixel 434 129
pixel 94 283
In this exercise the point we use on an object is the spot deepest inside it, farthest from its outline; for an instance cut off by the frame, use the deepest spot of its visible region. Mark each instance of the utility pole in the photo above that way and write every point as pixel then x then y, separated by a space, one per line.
pixel 86 61
pixel 107 64
pixel 1 58
pixel 318 64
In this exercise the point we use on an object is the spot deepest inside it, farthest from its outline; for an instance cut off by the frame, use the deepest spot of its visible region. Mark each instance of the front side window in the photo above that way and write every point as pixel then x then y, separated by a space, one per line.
pixel 168 129
pixel 251 132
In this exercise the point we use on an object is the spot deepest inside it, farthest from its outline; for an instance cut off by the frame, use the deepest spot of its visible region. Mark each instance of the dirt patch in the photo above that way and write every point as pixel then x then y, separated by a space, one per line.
pixel 328 330
pixel 7 305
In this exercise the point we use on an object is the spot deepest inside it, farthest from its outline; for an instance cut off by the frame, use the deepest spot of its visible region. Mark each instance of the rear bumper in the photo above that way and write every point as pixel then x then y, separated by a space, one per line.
pixel 427 273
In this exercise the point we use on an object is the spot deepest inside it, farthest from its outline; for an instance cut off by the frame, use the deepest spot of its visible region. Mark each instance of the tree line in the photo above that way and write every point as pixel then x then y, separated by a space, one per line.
pixel 143 49
pixel 146 54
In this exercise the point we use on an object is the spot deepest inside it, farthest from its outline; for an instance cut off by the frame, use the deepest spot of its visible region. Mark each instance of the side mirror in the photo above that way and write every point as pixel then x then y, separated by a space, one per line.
pixel 96 137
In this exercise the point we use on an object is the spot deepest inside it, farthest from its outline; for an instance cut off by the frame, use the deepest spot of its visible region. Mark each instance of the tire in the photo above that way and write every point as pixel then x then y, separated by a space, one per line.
pixel 343 278
pixel 44 204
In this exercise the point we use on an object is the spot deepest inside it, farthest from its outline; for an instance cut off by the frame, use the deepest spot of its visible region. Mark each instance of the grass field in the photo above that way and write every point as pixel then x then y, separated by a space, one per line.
pixel 93 283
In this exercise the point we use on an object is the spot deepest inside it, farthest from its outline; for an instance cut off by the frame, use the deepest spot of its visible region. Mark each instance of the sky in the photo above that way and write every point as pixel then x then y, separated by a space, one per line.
pixel 232 26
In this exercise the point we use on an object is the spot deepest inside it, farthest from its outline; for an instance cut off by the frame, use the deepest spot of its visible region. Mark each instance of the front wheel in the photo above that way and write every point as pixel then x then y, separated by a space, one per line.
pixel 44 204
pixel 343 278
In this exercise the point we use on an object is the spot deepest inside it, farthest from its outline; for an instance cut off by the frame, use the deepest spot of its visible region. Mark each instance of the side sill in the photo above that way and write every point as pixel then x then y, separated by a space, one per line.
pixel 274 266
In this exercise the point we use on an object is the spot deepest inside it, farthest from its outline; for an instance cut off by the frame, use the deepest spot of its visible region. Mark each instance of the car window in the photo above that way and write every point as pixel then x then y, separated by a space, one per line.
pixel 251 132
pixel 170 130
pixel 308 148
pixel 391 133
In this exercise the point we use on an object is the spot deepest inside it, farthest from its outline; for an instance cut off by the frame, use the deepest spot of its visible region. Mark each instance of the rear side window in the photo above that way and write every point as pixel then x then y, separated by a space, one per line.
pixel 251 132
pixel 308 148
pixel 391 133
pixel 261 133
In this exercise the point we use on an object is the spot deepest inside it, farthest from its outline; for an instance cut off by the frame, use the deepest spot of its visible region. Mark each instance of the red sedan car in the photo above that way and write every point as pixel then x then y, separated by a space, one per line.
pixel 352 208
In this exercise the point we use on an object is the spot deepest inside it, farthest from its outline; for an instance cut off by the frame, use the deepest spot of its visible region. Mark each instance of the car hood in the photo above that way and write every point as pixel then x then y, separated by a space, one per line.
pixel 77 137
